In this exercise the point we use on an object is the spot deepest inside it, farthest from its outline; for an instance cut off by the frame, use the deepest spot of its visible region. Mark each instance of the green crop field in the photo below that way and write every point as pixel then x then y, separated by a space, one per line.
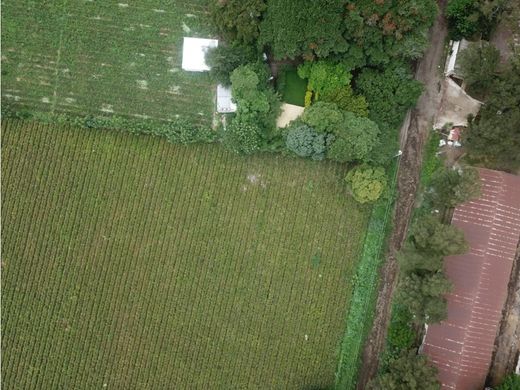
pixel 132 263
pixel 104 58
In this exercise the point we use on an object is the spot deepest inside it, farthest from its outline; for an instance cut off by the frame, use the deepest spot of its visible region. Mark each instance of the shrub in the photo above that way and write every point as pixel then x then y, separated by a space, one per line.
pixel 366 183
pixel 242 137
pixel 306 142
pixel 511 382
pixel 324 76
pixel 345 99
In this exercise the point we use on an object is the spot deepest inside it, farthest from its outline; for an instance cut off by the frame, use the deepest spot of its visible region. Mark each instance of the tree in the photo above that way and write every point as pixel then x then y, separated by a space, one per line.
pixel 256 101
pixel 380 32
pixel 237 20
pixel 366 183
pixel 345 99
pixel 323 116
pixel 223 59
pixel 478 65
pixel 293 28
pixel 450 187
pixel 424 296
pixel 355 137
pixel 408 372
pixel 494 136
pixel 324 76
pixel 412 260
pixel 431 236
pixel 307 142
pixel 463 18
pixel 242 137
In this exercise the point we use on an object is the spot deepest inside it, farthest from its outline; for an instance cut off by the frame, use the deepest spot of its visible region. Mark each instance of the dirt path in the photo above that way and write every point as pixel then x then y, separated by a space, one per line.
pixel 413 137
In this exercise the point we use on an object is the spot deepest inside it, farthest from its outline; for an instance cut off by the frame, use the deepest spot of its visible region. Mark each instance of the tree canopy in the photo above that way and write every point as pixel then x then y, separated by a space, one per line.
pixel 408 372
pixel 292 28
pixel 450 187
pixel 366 183
pixel 433 237
pixel 304 141
pixel 224 59
pixel 479 66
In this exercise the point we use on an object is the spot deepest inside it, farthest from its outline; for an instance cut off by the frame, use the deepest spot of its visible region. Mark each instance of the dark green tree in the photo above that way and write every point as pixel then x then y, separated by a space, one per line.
pixel 323 116
pixel 494 136
pixel 237 20
pixel 479 65
pixel 412 260
pixel 293 28
pixel 432 237
pixel 355 138
pixel 450 187
pixel 225 59
pixel 408 372
pixel 345 99
pixel 424 296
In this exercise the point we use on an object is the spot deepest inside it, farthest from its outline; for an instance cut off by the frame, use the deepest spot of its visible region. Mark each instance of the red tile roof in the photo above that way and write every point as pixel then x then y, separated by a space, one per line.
pixel 461 347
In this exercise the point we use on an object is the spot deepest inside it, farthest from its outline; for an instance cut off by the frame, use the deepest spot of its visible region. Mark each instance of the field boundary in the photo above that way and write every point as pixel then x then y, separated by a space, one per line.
pixel 360 315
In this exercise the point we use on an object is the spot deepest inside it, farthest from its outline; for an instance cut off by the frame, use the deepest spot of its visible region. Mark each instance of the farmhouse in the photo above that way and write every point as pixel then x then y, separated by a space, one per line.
pixel 461 346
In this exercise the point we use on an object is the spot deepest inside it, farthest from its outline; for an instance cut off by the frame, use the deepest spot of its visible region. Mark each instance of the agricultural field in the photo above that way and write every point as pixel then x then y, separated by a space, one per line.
pixel 103 58
pixel 129 262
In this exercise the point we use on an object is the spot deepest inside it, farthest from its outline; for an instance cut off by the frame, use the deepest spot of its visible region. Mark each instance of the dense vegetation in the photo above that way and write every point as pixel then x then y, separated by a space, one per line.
pixel 494 135
pixel 132 262
pixel 473 18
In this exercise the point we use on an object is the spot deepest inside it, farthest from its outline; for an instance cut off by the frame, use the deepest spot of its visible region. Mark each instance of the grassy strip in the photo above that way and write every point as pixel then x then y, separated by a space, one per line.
pixel 361 313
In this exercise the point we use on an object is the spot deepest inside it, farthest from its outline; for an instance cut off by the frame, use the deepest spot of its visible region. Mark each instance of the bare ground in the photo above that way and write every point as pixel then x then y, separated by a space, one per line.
pixel 413 136
pixel 507 344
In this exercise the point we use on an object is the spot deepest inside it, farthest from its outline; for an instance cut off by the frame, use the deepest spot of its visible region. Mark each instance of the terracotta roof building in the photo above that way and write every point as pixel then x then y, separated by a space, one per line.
pixel 461 346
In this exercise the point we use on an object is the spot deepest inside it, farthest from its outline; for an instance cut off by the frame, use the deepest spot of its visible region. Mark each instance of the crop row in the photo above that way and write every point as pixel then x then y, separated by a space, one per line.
pixel 133 262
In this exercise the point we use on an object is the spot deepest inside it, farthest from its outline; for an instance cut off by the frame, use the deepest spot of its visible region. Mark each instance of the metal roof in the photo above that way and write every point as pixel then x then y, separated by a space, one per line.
pixel 461 346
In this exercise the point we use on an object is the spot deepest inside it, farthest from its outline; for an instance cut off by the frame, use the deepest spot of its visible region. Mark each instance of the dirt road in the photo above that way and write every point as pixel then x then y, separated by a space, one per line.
pixel 413 137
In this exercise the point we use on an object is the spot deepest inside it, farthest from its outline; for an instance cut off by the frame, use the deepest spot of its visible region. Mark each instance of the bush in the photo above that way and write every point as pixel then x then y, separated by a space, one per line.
pixel 401 334
pixel 366 183
pixel 511 382
pixel 324 76
pixel 242 137
pixel 306 142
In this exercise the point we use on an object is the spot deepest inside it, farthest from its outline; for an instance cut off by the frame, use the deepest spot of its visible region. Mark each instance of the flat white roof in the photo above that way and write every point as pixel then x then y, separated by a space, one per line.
pixel 193 52
pixel 224 100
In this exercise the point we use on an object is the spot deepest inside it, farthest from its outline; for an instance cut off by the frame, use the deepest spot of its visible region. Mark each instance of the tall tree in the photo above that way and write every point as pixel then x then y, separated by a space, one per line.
pixel 293 28
pixel 450 187
pixel 424 296
pixel 479 65
pixel 408 372
pixel 412 260
pixel 237 20
pixel 433 237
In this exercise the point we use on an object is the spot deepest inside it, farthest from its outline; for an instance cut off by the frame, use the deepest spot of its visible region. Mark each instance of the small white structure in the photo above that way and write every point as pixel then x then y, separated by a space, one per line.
pixel 194 52
pixel 225 102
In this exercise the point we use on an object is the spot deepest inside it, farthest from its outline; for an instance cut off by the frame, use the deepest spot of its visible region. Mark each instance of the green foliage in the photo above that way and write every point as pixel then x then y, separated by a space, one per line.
pixel 324 76
pixel 381 32
pixel 322 116
pixel 366 183
pixel 307 142
pixel 479 63
pixel 494 136
pixel 345 99
pixel 408 372
pixel 466 18
pixel 431 236
pixel 293 28
pixel 237 20
pixel 355 137
pixel 450 187
pixel 424 296
pixel 414 260
pixel 389 94
pixel 223 59
pixel 256 101
pixel 401 334
pixel 511 382
pixel 242 137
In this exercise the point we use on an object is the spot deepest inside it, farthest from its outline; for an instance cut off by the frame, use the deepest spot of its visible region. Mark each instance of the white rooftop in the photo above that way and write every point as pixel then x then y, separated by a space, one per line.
pixel 224 100
pixel 193 52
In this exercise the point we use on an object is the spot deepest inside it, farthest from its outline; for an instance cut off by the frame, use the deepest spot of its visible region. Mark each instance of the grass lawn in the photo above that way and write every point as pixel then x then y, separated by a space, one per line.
pixel 135 263
pixel 294 88
pixel 104 58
